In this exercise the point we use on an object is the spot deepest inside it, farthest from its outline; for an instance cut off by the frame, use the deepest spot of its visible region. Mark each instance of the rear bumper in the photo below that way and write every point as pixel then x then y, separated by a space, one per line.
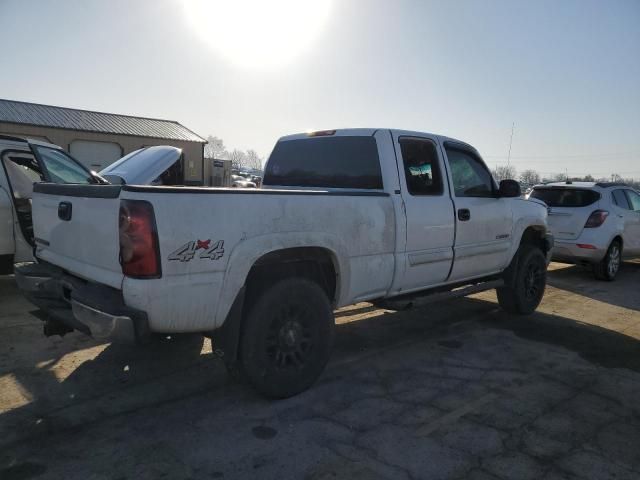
pixel 94 309
pixel 570 252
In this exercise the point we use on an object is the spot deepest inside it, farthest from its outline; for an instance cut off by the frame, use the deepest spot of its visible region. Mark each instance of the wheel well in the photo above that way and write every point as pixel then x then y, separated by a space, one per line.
pixel 314 263
pixel 619 239
pixel 534 236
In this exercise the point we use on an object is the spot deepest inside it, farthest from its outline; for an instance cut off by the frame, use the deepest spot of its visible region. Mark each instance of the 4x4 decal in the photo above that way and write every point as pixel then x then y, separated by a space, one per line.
pixel 188 251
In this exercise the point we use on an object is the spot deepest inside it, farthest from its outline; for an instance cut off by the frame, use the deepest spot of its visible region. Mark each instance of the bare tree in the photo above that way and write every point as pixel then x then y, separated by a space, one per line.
pixel 530 177
pixel 616 178
pixel 215 148
pixel 504 172
pixel 238 159
pixel 253 160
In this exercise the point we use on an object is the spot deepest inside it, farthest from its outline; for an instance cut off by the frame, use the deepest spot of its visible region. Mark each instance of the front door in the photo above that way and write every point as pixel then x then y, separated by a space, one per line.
pixel 429 213
pixel 483 221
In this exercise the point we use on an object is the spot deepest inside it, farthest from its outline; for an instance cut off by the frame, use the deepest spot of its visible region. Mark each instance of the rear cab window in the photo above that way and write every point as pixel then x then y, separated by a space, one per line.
pixel 565 197
pixel 325 162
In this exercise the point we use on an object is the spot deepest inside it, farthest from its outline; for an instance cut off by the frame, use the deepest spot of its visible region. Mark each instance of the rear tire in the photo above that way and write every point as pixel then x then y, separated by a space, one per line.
pixel 6 264
pixel 287 338
pixel 525 282
pixel 608 267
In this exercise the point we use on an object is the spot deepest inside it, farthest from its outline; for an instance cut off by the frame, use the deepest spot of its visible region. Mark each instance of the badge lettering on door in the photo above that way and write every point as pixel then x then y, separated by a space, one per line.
pixel 186 253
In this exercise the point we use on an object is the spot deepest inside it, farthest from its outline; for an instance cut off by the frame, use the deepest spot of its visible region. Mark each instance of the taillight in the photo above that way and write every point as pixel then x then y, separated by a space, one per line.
pixel 596 218
pixel 139 248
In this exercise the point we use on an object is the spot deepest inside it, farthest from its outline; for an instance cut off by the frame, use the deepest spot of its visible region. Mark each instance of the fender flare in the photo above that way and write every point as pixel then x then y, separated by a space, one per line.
pixel 247 252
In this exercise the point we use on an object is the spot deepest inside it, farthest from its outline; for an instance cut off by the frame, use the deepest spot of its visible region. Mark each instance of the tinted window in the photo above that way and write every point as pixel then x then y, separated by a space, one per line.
pixel 470 177
pixel 61 168
pixel 565 197
pixel 620 199
pixel 421 168
pixel 329 162
pixel 634 199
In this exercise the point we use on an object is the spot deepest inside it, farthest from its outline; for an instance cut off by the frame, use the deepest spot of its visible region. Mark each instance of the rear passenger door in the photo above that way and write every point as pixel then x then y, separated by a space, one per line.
pixel 484 222
pixel 429 212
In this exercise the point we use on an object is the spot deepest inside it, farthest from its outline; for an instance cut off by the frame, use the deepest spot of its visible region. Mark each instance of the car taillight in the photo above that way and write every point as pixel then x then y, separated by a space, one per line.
pixel 139 248
pixel 596 218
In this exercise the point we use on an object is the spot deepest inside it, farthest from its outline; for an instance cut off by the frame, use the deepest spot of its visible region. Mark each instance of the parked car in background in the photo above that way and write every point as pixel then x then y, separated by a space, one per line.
pixel 344 216
pixel 595 224
pixel 24 162
pixel 239 181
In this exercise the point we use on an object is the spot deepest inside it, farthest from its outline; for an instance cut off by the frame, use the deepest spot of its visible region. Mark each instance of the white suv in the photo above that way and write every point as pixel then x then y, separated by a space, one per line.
pixel 593 223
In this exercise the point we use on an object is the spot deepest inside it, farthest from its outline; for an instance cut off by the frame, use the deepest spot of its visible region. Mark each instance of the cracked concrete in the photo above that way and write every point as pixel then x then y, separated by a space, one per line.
pixel 458 390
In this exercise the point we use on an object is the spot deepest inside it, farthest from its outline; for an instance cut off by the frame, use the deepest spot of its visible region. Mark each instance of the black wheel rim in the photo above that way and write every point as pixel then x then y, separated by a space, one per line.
pixel 533 281
pixel 290 340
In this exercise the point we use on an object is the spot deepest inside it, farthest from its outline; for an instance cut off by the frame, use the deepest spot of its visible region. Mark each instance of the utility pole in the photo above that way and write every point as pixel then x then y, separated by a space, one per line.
pixel 513 124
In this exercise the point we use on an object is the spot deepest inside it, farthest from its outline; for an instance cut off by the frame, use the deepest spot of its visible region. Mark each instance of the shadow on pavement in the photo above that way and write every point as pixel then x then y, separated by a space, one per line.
pixel 624 291
pixel 124 379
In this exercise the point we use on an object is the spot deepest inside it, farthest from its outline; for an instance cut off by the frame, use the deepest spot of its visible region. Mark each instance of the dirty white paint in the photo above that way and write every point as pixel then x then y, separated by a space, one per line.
pixel 378 248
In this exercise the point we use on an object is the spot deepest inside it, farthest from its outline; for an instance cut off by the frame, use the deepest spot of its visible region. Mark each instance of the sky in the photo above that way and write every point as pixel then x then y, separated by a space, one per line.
pixel 565 73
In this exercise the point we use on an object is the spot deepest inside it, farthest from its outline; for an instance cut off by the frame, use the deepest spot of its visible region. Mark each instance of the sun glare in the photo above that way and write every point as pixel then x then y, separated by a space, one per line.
pixel 258 34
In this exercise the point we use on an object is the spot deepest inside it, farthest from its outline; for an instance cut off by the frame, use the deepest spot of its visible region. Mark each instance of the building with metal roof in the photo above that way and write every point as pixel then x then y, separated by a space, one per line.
pixel 97 138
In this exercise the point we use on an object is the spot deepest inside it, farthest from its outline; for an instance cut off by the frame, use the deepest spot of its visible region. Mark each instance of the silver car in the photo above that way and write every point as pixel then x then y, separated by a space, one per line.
pixel 593 223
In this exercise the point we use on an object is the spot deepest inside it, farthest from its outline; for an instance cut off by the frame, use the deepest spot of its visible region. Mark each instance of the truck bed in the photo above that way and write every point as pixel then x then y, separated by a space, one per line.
pixel 359 226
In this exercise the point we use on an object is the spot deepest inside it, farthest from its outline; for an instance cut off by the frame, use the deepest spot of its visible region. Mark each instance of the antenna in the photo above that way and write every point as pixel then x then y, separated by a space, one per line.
pixel 510 143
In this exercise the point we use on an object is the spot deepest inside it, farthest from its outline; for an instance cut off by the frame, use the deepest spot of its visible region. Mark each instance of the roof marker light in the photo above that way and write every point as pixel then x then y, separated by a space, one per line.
pixel 321 133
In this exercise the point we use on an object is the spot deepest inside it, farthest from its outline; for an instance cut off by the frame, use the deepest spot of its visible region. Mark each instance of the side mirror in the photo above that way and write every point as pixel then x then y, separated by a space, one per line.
pixel 510 189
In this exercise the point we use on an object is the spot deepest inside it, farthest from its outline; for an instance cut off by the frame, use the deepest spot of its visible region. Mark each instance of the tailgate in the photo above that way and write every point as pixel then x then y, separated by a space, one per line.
pixel 76 228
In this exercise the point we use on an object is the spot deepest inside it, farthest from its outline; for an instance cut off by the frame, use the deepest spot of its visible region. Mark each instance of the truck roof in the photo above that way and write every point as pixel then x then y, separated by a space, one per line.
pixel 366 132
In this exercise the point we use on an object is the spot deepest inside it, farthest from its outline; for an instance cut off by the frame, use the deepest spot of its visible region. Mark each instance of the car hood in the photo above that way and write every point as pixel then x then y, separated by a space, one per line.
pixel 143 166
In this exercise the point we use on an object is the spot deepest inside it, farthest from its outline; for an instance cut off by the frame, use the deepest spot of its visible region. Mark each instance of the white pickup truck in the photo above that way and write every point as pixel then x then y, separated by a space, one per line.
pixel 344 216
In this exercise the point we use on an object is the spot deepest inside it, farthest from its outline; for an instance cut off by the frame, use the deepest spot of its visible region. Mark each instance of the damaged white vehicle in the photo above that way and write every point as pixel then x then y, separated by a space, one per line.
pixel 22 163
pixel 344 216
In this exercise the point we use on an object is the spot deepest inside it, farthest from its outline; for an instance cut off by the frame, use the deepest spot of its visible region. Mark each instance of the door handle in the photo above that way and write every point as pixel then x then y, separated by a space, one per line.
pixel 464 214
pixel 64 211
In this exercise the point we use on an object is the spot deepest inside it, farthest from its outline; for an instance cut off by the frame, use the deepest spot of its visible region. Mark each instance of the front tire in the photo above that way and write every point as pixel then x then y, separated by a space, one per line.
pixel 608 267
pixel 287 338
pixel 525 282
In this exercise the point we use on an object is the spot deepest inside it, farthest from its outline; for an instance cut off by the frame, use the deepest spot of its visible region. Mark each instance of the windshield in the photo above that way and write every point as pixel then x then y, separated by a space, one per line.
pixel 61 168
pixel 565 197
